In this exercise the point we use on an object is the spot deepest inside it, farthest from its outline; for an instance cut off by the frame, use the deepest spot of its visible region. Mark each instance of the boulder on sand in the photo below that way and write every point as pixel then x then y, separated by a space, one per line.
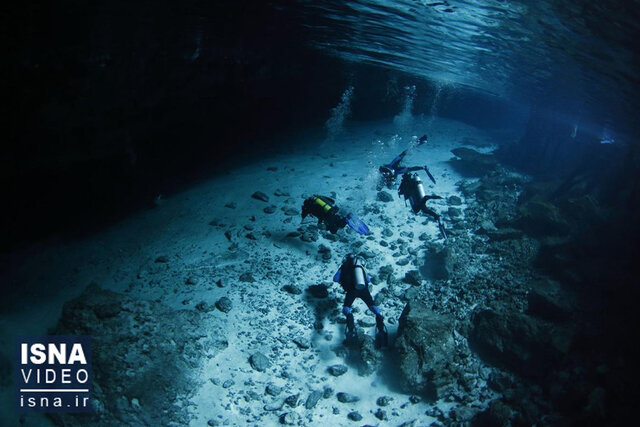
pixel 425 348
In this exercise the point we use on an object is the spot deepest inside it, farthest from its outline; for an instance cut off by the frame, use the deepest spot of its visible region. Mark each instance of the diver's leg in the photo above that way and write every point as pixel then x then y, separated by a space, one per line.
pixel 381 330
pixel 346 309
pixel 431 213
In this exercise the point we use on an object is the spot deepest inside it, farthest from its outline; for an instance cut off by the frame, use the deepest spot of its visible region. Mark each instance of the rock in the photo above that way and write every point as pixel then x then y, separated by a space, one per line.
pixel 327 392
pixel 230 205
pixel 384 400
pixel 385 272
pixel 224 304
pixel 127 342
pixel 354 416
pixel 270 209
pixel 337 370
pixel 499 382
pixel 366 355
pixel 162 259
pixel 273 390
pixel 280 193
pixel 259 361
pixel 291 212
pixel 228 383
pixel 454 212
pixel 213 423
pixel 515 341
pixel 247 277
pixel 502 234
pixel 549 300
pixel 274 406
pixel 302 343
pixel 473 163
pixel 454 200
pixel 292 400
pixel 309 236
pixel 539 217
pixel 497 414
pixel 425 349
pixel 135 404
pixel 381 415
pixel 204 307
pixel 486 226
pixel 313 399
pixel 413 277
pixel 318 291
pixel 438 263
pixel 367 254
pixel 290 418
pixel 191 281
pixel 383 196
pixel 292 289
pixel 325 252
pixel 259 195
pixel 347 397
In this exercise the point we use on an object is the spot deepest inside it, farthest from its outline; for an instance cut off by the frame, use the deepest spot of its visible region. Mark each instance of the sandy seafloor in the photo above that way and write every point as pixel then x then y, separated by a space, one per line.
pixel 121 258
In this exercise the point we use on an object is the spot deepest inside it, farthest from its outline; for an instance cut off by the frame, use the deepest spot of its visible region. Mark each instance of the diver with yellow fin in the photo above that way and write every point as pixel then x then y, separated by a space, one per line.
pixel 412 189
pixel 325 209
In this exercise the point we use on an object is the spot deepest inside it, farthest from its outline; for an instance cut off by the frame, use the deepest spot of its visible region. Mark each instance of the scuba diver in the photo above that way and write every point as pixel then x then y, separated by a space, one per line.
pixel 355 280
pixel 392 170
pixel 412 189
pixel 326 211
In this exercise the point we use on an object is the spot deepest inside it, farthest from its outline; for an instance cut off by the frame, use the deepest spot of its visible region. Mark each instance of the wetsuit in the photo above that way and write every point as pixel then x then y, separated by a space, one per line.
pixel 325 210
pixel 346 278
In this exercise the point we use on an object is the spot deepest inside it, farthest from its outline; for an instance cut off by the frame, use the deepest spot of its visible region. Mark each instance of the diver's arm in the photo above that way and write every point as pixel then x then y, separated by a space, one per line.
pixel 398 159
pixel 412 168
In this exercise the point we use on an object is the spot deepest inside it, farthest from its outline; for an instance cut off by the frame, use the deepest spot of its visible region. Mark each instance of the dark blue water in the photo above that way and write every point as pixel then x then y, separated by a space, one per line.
pixel 520 50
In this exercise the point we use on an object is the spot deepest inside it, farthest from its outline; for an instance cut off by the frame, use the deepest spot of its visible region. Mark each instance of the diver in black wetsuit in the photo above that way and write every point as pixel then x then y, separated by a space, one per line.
pixel 392 170
pixel 412 189
pixel 326 211
pixel 354 280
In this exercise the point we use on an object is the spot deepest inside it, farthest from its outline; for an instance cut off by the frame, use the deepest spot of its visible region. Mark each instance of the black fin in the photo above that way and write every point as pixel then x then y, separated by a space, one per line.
pixel 429 174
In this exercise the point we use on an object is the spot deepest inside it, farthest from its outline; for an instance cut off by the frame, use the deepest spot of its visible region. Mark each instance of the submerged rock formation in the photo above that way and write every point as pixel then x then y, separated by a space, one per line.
pixel 518 342
pixel 146 358
pixel 425 347
pixel 470 162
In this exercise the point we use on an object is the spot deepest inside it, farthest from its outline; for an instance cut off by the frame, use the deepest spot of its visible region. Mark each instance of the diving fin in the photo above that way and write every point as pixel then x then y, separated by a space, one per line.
pixel 350 332
pixel 357 225
pixel 382 338
pixel 429 174
pixel 442 230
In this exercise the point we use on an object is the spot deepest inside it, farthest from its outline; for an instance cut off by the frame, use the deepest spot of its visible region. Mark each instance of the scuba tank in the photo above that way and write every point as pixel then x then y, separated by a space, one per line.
pixel 359 275
pixel 416 194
